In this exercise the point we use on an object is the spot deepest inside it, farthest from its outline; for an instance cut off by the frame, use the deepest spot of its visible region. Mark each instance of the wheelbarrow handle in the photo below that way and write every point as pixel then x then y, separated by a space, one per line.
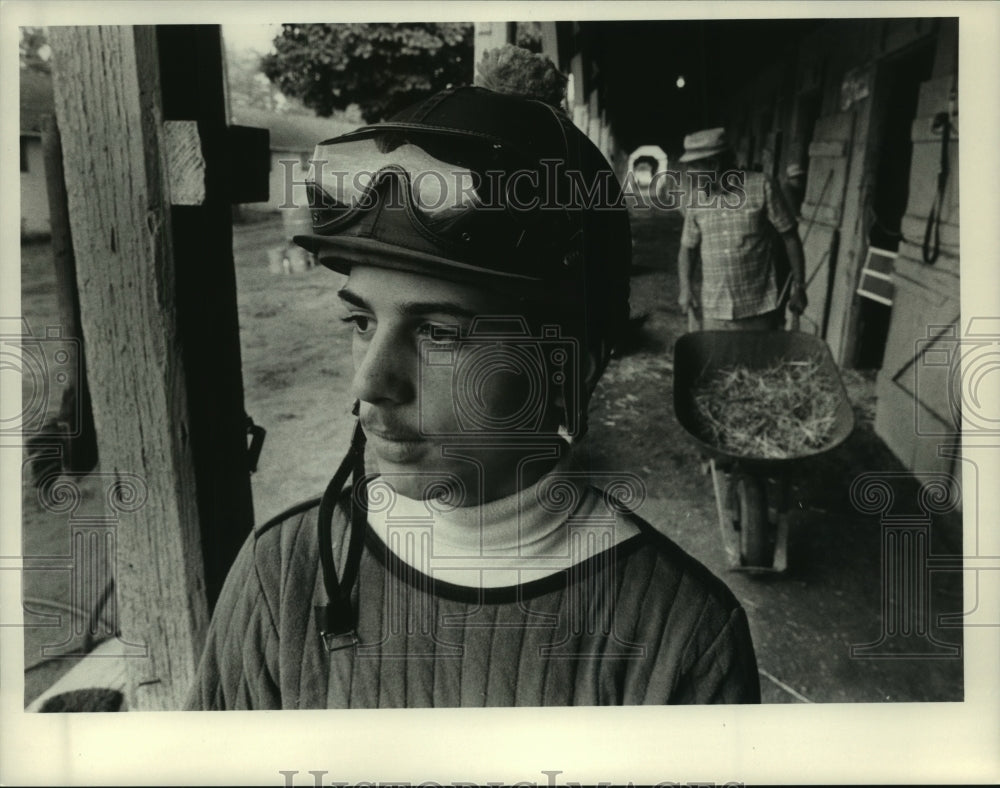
pixel 781 299
pixel 694 320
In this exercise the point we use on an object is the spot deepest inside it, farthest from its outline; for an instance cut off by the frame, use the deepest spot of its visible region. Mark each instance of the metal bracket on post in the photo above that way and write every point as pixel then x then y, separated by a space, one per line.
pixel 249 164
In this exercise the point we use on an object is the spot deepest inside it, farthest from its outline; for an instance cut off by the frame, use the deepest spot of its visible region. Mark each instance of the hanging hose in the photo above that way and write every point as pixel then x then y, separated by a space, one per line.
pixel 932 248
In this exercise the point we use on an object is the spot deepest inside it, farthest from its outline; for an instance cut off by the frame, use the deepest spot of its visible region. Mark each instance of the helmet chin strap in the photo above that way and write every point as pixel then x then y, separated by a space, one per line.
pixel 336 619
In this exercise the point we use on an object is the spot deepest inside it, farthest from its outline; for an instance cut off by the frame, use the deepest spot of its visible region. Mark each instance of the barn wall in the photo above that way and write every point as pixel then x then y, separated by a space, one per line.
pixel 824 106
pixel 914 414
pixel 568 48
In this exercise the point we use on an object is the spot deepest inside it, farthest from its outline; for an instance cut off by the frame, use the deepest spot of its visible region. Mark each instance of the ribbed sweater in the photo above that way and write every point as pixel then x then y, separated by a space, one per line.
pixel 639 623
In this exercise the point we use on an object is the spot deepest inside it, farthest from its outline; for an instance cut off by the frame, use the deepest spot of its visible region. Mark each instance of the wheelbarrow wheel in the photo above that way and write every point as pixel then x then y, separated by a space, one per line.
pixel 755 541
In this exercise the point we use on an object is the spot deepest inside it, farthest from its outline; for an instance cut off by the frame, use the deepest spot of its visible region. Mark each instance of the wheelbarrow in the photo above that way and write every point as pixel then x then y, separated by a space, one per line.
pixel 753 507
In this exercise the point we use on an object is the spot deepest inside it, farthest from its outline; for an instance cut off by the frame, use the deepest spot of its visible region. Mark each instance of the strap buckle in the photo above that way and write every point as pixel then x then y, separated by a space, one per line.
pixel 336 626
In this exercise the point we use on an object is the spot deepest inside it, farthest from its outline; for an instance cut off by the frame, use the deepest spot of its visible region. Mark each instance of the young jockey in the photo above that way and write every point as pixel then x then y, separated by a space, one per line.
pixel 461 556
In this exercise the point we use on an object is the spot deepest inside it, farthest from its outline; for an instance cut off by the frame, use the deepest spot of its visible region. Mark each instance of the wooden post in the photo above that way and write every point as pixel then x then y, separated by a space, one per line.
pixel 193 89
pixel 79 445
pixel 165 374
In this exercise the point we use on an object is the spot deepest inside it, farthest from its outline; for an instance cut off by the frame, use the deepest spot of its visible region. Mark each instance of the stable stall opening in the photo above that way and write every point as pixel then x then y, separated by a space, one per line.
pixel 897 88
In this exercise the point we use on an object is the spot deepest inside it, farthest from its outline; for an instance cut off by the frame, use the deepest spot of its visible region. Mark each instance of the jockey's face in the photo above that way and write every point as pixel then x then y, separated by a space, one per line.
pixel 434 408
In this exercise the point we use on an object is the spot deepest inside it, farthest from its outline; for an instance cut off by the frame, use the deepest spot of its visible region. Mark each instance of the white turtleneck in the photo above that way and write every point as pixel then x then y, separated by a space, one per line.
pixel 557 522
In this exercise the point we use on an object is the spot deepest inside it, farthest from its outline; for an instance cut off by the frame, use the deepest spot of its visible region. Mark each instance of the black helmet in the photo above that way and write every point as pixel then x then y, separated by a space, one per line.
pixel 478 186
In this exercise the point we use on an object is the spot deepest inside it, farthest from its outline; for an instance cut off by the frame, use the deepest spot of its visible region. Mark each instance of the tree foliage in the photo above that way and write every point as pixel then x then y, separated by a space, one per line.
pixel 381 67
pixel 34 51
pixel 248 87
pixel 529 36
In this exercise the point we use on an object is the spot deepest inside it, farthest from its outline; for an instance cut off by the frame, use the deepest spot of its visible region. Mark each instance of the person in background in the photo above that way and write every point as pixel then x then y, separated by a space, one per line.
pixel 733 223
pixel 463 554
pixel 794 188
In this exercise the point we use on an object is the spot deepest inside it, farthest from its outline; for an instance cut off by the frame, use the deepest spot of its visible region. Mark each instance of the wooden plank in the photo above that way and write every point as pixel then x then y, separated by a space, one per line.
pixel 851 127
pixel 913 410
pixel 913 227
pixel 106 85
pixel 828 166
pixel 79 446
pixel 185 163
pixel 925 164
pixel 834 149
pixel 192 89
pixel 829 170
pixel 895 423
pixel 922 130
pixel 934 95
pixel 938 282
pixel 818 248
pixel 827 215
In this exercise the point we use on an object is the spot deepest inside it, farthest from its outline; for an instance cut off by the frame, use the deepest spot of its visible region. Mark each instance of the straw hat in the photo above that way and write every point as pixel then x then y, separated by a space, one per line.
pixel 704 143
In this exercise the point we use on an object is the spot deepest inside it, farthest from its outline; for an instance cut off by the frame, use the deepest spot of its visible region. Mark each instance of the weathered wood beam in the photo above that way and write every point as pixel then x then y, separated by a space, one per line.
pixel 107 98
pixel 185 162
pixel 192 89
pixel 79 443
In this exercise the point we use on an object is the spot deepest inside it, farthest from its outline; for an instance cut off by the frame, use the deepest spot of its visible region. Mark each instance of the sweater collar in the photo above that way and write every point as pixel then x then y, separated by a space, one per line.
pixel 508 541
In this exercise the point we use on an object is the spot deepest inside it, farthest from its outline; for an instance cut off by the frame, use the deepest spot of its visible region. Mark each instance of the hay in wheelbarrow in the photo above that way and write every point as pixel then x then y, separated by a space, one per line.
pixel 784 410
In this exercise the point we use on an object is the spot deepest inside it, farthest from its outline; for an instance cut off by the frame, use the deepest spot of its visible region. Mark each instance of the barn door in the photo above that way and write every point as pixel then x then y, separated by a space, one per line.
pixel 822 214
pixel 920 386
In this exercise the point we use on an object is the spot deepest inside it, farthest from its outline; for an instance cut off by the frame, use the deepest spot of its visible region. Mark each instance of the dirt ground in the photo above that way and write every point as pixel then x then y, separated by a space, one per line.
pixel 297 373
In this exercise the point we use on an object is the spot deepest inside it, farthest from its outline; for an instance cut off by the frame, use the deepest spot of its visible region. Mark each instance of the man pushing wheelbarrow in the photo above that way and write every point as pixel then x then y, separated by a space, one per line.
pixel 754 400
pixel 733 223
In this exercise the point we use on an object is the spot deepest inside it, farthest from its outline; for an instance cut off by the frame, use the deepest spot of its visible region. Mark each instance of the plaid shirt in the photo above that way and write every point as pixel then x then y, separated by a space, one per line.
pixel 737 276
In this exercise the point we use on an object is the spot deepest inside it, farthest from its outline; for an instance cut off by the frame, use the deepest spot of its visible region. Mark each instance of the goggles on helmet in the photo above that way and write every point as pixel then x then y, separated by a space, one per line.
pixel 410 199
